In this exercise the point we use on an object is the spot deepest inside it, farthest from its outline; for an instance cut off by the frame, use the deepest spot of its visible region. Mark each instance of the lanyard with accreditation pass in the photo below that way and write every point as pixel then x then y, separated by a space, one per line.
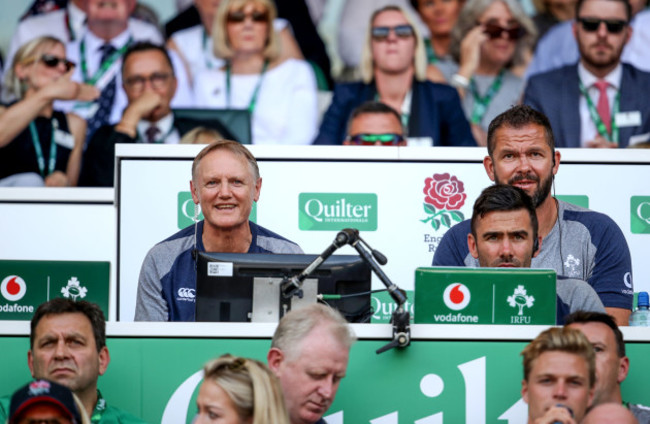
pixel 102 77
pixel 251 104
pixel 39 151
pixel 595 116
pixel 481 103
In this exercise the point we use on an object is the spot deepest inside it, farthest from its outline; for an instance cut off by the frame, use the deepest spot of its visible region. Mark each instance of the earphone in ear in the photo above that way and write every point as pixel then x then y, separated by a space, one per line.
pixel 535 245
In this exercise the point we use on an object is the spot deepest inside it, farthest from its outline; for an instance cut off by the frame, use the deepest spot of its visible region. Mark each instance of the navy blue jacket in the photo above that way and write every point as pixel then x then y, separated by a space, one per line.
pixel 435 112
pixel 557 94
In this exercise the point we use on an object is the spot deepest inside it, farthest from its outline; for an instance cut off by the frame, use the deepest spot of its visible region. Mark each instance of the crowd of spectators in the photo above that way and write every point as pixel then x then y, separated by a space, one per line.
pixel 447 68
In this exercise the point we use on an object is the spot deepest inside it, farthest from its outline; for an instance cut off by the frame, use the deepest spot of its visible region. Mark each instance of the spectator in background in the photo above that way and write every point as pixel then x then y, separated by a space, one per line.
pixel 201 135
pixel 66 24
pixel 279 93
pixel 353 30
pixel 38 144
pixel 375 124
pixel 596 102
pixel 394 73
pixel 489 40
pixel 612 363
pixel 608 413
pixel 551 12
pixel 99 52
pixel 149 83
pixel 43 401
pixel 440 16
pixel 559 48
pixel 240 391
pixel 195 45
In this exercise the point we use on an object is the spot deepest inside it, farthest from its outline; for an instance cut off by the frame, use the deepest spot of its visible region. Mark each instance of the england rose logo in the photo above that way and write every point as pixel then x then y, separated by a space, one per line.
pixel 444 195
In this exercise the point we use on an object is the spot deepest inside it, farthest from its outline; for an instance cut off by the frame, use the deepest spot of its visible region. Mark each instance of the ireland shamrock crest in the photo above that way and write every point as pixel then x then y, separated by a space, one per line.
pixel 444 195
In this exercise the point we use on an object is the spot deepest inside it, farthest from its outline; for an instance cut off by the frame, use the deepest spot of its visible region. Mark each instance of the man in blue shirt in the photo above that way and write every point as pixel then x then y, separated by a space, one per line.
pixel 225 183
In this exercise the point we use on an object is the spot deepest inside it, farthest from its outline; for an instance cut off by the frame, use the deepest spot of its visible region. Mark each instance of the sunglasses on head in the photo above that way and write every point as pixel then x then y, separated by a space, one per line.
pixel 380 33
pixel 496 31
pixel 238 16
pixel 372 139
pixel 592 24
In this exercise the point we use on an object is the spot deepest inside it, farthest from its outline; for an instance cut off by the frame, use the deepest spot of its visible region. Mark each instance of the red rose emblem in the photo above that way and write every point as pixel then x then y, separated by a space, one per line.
pixel 444 192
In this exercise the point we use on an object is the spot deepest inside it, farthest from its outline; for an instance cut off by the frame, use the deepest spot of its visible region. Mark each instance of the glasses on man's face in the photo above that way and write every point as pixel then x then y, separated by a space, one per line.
pixel 238 16
pixel 380 33
pixel 614 26
pixel 494 31
pixel 52 61
pixel 389 139
pixel 157 80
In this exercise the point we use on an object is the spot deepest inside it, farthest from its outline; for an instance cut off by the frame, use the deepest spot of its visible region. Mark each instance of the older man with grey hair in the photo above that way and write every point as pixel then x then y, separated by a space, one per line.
pixel 309 355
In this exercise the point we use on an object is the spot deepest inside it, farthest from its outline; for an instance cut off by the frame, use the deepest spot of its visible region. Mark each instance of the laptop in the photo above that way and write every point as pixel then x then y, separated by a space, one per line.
pixel 458 295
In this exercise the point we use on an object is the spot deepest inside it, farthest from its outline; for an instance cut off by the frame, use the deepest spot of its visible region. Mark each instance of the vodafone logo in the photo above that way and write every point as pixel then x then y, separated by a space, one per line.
pixel 13 288
pixel 456 296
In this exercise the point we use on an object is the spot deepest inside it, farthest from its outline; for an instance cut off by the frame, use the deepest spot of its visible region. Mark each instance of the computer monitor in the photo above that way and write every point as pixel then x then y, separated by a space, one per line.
pixel 225 283
pixel 236 121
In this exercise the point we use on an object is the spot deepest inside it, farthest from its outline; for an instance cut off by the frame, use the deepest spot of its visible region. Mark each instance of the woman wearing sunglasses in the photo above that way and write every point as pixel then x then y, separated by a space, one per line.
pixel 40 145
pixel 238 390
pixel 279 93
pixel 194 44
pixel 393 68
pixel 490 38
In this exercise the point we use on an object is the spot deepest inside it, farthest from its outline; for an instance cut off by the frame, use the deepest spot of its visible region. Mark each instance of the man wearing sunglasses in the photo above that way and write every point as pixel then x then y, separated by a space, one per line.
pixel 375 124
pixel 595 103
pixel 149 82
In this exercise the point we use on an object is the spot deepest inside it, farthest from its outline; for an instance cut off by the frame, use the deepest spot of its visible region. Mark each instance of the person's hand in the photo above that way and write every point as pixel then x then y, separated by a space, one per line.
pixel 56 179
pixel 556 414
pixel 138 110
pixel 601 142
pixel 470 51
pixel 63 88
pixel 143 105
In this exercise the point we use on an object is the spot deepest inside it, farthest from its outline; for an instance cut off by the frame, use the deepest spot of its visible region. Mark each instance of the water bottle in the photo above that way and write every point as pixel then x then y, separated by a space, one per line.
pixel 640 317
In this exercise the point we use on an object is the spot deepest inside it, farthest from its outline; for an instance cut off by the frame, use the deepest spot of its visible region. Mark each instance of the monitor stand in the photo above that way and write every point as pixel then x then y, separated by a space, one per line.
pixel 267 302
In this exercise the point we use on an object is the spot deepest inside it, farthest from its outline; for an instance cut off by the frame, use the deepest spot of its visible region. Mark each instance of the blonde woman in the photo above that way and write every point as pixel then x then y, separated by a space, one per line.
pixel 239 390
pixel 40 145
pixel 279 93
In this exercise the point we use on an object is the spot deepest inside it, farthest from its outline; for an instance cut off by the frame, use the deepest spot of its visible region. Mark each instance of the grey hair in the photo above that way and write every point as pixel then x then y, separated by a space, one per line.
pixel 367 65
pixel 298 323
pixel 468 18
pixel 13 87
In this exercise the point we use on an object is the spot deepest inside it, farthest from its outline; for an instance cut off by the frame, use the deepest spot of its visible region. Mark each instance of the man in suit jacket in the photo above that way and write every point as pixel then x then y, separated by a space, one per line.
pixel 149 83
pixel 571 96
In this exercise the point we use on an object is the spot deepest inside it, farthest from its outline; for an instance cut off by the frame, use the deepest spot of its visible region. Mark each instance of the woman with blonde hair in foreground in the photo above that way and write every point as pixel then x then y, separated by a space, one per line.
pixel 239 390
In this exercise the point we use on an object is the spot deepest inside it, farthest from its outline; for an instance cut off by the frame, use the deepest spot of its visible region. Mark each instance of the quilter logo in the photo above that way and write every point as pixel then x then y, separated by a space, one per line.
pixel 333 211
pixel 640 214
pixel 456 296
pixel 186 210
pixel 13 288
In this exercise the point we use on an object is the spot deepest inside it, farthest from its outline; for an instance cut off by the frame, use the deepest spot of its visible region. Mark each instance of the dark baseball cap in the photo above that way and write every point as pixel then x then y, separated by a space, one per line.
pixel 43 391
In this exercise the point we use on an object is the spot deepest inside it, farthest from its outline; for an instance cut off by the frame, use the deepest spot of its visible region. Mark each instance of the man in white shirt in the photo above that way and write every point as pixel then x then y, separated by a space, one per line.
pixel 98 54
pixel 595 103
